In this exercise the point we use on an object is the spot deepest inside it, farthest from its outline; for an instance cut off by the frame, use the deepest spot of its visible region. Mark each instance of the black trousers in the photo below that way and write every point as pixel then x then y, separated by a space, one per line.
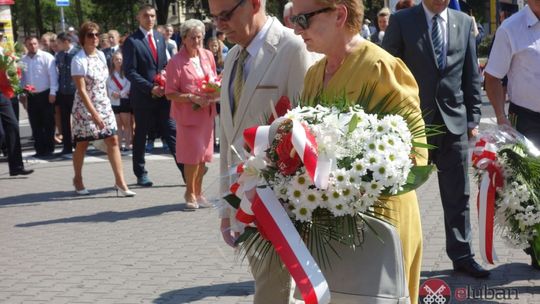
pixel 143 124
pixel 9 133
pixel 41 116
pixel 65 102
pixel 450 157
pixel 527 122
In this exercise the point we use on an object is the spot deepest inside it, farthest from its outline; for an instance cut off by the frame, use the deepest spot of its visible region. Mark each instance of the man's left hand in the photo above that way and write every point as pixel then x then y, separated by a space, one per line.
pixel 52 98
pixel 473 132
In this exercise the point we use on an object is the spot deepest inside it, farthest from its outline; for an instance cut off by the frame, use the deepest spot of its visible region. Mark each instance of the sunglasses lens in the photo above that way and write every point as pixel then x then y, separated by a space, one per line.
pixel 300 20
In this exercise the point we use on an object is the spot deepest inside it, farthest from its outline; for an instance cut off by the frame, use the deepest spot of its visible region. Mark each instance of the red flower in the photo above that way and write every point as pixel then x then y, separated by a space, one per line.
pixel 29 89
pixel 160 79
pixel 287 164
pixel 208 85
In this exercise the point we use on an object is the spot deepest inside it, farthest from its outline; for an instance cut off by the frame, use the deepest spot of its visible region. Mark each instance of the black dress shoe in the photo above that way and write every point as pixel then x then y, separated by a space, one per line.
pixel 21 172
pixel 470 267
pixel 144 181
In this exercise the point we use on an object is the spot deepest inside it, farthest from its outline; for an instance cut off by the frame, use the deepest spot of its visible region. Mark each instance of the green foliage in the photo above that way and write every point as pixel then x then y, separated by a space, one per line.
pixel 484 47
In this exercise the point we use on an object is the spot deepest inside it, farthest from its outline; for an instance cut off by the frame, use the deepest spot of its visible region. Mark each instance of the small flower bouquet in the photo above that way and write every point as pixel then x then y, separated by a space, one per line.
pixel 209 85
pixel 11 68
pixel 160 80
pixel 313 174
pixel 507 167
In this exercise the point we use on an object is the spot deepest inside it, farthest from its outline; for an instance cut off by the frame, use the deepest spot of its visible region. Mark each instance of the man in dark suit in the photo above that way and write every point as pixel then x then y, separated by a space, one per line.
pixel 66 87
pixel 145 56
pixel 438 46
pixel 9 131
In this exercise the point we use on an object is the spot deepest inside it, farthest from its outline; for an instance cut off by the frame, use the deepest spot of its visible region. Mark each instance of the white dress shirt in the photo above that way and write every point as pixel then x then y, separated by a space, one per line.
pixel 145 32
pixel 253 49
pixel 443 25
pixel 40 72
pixel 516 53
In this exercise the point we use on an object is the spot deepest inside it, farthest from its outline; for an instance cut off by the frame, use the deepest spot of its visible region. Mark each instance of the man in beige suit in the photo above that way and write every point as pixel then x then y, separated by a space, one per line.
pixel 269 61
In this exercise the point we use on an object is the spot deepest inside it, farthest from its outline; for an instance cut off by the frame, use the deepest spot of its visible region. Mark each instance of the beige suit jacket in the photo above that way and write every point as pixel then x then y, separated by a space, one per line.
pixel 277 69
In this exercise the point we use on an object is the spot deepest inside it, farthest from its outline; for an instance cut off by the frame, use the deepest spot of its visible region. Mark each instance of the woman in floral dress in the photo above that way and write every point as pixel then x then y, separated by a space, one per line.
pixel 92 114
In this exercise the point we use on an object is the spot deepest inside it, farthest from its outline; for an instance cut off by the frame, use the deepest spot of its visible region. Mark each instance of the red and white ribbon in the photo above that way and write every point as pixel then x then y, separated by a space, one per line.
pixel 306 146
pixel 484 156
pixel 276 226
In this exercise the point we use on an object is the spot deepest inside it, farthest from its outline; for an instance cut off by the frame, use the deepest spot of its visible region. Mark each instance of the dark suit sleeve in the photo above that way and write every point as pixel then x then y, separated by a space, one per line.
pixel 393 40
pixel 130 66
pixel 470 82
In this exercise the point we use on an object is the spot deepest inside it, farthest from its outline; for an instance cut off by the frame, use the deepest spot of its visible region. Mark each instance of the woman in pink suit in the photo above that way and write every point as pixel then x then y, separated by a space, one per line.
pixel 193 110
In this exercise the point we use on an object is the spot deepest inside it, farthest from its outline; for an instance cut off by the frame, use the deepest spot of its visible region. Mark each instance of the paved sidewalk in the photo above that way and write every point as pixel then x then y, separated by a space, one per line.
pixel 56 247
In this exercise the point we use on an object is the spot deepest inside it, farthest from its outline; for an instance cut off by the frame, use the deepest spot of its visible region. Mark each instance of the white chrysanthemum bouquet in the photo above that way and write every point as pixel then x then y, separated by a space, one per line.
pixel 367 156
pixel 507 167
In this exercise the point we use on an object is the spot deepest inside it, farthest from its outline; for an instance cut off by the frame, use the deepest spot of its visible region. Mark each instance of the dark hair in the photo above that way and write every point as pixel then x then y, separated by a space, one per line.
pixel 146 7
pixel 402 4
pixel 64 37
pixel 85 29
pixel 28 38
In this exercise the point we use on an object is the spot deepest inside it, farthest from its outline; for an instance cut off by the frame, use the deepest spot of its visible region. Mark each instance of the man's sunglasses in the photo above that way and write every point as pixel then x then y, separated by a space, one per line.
pixel 226 15
pixel 302 20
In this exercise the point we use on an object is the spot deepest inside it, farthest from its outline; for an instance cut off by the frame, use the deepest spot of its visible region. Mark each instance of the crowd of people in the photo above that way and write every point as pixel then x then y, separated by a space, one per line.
pixel 151 80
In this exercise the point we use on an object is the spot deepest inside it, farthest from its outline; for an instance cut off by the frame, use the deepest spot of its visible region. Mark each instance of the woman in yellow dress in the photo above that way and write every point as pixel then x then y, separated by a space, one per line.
pixel 351 64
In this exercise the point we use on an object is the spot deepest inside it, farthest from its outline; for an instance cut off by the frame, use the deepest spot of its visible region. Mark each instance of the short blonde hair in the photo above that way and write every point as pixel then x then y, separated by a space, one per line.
pixel 355 12
pixel 190 24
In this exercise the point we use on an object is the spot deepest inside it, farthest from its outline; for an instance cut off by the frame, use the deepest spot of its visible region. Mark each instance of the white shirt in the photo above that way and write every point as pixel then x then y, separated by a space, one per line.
pixel 443 25
pixel 113 87
pixel 516 53
pixel 145 32
pixel 256 45
pixel 40 72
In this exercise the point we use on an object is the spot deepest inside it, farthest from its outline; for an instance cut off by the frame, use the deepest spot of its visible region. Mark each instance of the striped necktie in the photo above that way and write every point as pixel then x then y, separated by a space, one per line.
pixel 238 82
pixel 437 40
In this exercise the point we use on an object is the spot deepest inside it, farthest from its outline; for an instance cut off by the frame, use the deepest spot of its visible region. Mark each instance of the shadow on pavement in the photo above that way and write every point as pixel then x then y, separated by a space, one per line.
pixel 55 196
pixel 502 277
pixel 191 294
pixel 111 216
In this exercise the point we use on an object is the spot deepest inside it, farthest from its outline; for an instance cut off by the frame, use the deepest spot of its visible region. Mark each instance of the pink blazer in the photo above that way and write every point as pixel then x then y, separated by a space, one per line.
pixel 182 77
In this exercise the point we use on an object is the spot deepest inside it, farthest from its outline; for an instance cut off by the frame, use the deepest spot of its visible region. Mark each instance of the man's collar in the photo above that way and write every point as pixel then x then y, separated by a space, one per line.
pixel 532 20
pixel 257 42
pixel 430 14
pixel 144 31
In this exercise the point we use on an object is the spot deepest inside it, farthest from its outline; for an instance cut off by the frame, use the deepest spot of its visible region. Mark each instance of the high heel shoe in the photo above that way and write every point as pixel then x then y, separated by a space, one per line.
pixel 203 202
pixel 82 191
pixel 126 193
pixel 191 202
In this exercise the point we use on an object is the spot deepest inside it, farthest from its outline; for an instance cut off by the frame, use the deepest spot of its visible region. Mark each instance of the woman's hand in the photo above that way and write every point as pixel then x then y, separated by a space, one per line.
pixel 115 95
pixel 98 121
pixel 200 100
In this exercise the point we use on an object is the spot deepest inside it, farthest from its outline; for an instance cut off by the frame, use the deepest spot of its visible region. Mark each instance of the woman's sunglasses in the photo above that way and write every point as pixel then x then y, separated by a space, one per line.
pixel 92 35
pixel 302 20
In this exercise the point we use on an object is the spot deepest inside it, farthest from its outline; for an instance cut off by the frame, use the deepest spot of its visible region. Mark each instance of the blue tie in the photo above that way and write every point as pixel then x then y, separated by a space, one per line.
pixel 437 40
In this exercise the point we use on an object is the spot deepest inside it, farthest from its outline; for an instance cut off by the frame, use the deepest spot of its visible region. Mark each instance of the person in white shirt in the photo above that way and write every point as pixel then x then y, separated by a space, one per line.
pixel 118 87
pixel 40 73
pixel 516 54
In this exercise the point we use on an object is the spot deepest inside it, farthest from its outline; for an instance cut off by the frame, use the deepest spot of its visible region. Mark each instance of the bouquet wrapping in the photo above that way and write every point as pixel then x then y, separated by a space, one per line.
pixel 507 167
pixel 313 173
pixel 208 85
